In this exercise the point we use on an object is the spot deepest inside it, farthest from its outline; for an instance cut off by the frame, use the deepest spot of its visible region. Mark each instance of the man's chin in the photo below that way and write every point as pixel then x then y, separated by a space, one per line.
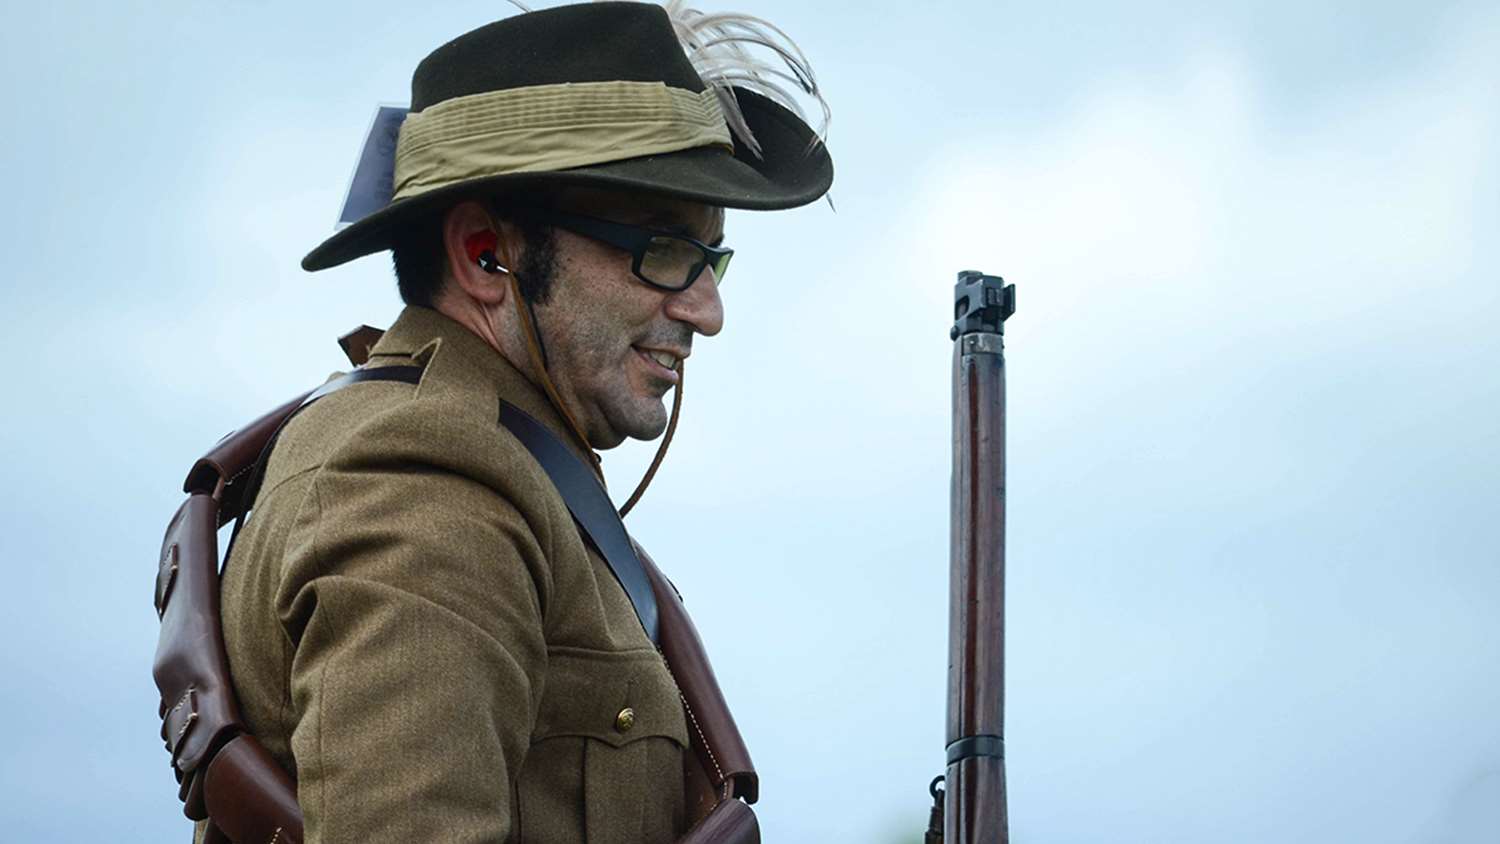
pixel 645 421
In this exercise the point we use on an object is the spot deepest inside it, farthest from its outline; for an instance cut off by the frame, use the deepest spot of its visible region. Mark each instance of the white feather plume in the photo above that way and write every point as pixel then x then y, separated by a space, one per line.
pixel 720 46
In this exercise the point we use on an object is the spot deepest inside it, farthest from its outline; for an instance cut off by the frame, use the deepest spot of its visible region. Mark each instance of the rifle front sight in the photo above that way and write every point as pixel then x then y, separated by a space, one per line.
pixel 981 303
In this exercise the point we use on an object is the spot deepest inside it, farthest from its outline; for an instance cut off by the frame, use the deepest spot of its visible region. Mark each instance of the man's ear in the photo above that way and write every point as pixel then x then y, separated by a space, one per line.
pixel 469 231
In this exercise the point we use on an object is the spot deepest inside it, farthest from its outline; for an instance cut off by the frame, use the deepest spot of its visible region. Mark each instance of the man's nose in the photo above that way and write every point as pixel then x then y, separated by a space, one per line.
pixel 699 305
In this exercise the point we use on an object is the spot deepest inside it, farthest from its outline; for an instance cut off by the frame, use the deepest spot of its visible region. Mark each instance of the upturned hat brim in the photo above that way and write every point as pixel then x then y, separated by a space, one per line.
pixel 793 170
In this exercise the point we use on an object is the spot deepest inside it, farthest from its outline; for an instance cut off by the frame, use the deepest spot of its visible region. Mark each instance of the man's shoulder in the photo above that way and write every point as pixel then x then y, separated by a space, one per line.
pixel 411 427
pixel 400 431
pixel 375 461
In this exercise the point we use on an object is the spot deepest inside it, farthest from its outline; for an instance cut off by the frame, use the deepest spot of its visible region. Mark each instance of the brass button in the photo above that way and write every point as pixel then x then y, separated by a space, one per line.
pixel 625 720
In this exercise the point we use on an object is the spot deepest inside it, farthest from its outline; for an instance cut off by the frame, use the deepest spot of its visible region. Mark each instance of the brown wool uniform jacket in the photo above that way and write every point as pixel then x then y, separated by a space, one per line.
pixel 418 633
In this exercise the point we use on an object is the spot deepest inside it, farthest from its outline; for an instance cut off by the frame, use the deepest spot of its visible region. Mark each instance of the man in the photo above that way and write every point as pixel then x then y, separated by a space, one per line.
pixel 415 626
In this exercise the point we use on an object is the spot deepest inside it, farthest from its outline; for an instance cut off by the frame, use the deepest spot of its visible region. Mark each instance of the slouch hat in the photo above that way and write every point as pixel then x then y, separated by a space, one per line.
pixel 593 94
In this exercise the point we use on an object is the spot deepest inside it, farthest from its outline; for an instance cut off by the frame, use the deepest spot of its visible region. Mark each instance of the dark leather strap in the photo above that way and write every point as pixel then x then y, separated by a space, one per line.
pixel 716 738
pixel 249 797
pixel 244 789
pixel 595 514
pixel 234 454
pixel 731 822
pixel 200 716
pixel 404 374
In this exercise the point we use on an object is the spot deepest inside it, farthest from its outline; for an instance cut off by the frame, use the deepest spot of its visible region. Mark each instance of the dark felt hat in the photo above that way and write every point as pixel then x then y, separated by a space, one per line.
pixel 586 43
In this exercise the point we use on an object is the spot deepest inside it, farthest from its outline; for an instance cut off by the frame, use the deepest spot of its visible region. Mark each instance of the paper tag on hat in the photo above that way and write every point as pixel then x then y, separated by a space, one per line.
pixel 374 176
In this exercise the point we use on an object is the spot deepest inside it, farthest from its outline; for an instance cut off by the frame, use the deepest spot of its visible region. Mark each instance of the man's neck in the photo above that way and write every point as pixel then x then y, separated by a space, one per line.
pixel 500 328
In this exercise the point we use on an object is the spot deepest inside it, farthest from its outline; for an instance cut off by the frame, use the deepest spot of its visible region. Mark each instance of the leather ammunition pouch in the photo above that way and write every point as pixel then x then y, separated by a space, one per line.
pixel 228 778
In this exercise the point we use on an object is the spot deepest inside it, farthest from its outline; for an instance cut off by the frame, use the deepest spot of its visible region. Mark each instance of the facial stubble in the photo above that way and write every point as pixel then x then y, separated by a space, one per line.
pixel 593 359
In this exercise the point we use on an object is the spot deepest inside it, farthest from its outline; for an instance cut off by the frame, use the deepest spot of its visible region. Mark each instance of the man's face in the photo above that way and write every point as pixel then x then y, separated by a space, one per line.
pixel 612 341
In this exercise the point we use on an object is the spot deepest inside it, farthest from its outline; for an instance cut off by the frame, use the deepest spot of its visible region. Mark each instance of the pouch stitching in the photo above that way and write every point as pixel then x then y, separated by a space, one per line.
pixel 712 757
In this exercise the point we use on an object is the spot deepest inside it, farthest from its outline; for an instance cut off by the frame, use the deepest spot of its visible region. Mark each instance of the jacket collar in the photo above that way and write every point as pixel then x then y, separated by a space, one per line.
pixel 460 367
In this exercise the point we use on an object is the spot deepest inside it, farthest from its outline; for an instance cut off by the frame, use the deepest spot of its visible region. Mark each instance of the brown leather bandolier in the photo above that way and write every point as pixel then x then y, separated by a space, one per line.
pixel 228 778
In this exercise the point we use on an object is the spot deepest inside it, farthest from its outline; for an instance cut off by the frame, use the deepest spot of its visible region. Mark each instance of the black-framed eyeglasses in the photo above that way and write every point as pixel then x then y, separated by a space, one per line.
pixel 664 260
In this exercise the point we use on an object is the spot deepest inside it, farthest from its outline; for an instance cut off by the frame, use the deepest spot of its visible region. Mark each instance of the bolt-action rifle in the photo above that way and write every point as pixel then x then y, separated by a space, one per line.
pixel 969 799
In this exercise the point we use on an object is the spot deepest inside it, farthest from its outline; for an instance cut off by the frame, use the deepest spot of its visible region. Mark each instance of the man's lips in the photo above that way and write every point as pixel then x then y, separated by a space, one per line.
pixel 656 360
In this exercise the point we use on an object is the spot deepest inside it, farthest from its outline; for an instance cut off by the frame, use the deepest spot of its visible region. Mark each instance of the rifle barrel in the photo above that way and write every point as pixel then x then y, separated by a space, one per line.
pixel 975 809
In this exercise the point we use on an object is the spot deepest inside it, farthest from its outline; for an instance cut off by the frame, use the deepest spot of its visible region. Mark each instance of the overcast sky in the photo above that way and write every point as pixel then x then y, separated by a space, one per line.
pixel 1254 574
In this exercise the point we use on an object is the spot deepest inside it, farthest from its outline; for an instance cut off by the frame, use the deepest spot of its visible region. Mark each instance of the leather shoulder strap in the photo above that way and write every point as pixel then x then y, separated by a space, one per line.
pixel 716 738
pixel 229 471
pixel 226 775
pixel 402 374
pixel 595 514
pixel 198 709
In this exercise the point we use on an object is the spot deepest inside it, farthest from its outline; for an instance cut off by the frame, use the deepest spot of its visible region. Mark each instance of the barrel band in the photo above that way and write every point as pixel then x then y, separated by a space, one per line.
pixel 971 746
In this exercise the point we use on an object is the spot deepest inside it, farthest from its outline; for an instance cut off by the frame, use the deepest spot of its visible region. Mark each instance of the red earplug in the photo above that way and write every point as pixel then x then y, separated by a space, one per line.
pixel 478 243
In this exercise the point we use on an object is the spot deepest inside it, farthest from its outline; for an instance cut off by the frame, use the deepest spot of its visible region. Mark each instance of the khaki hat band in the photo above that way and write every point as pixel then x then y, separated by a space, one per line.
pixel 551 127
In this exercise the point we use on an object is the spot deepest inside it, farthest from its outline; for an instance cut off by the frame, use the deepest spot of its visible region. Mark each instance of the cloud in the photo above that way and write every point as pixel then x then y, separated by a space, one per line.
pixel 1252 450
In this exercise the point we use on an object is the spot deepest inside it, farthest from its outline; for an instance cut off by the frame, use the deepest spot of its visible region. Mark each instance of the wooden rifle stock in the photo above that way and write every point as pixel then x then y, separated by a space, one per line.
pixel 973 798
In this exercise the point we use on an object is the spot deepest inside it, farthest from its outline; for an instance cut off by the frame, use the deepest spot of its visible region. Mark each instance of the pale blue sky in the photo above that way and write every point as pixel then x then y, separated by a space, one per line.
pixel 1254 392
